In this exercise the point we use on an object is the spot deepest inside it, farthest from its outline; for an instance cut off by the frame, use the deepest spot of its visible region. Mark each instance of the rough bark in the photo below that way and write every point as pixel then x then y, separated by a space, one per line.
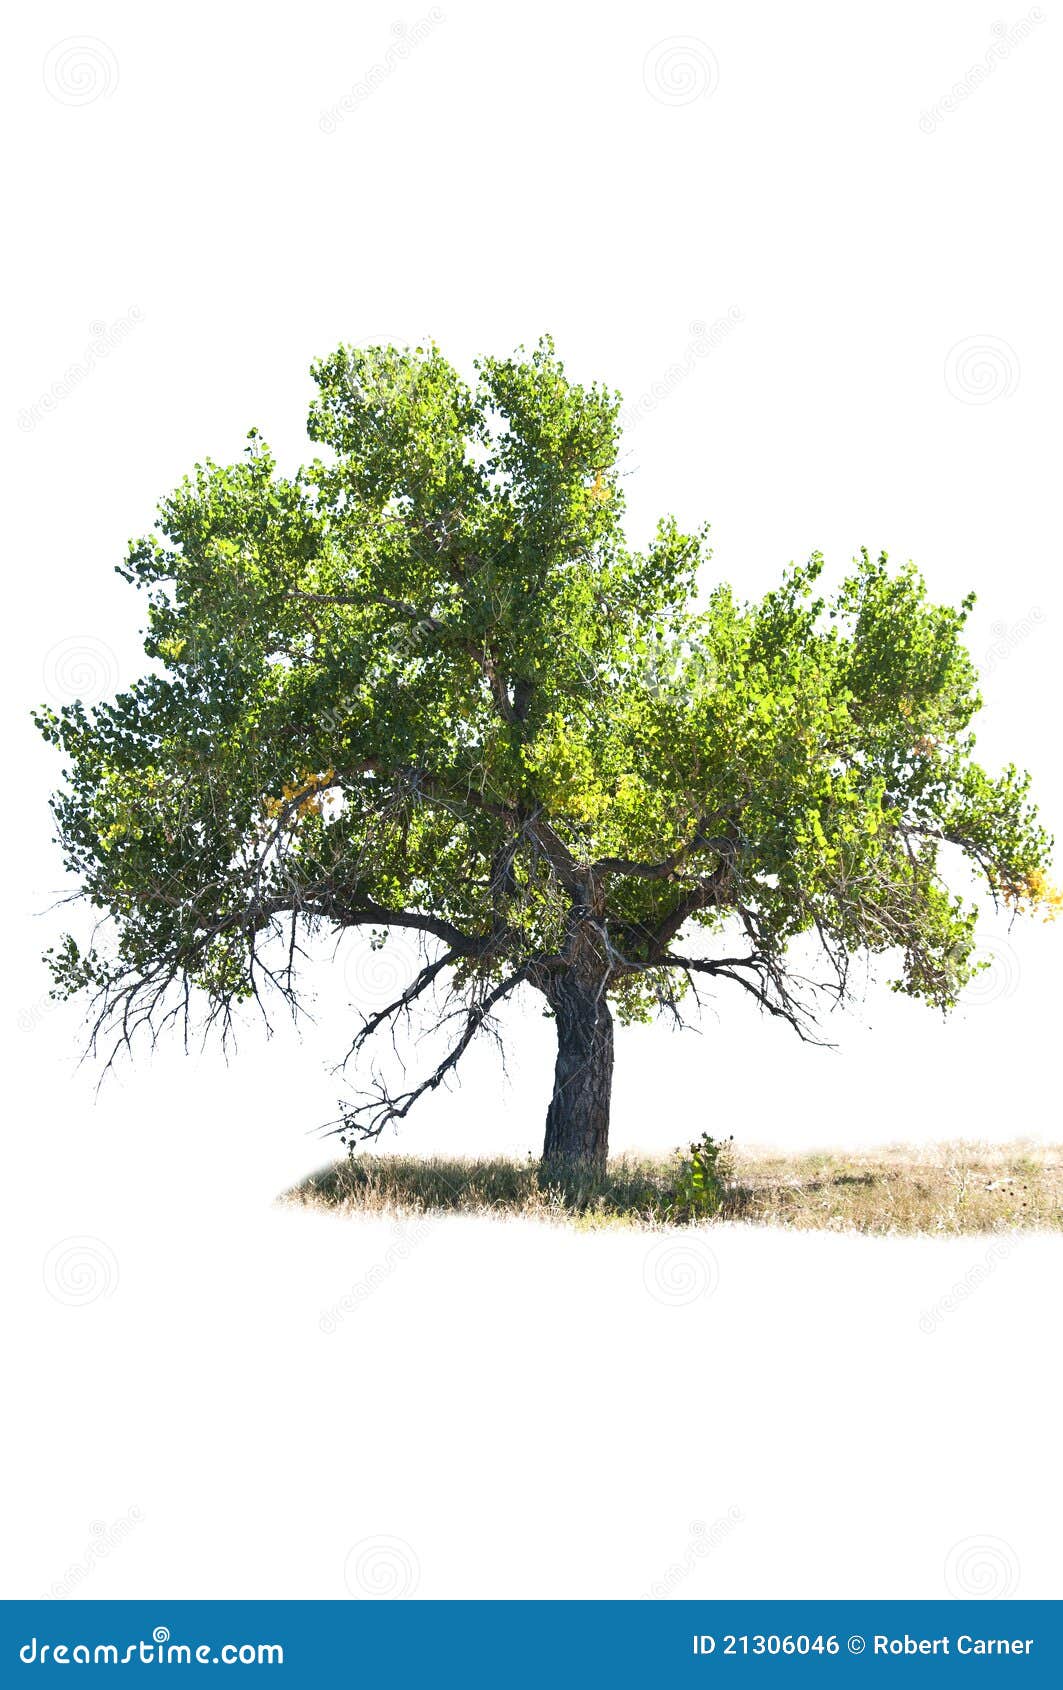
pixel 577 1121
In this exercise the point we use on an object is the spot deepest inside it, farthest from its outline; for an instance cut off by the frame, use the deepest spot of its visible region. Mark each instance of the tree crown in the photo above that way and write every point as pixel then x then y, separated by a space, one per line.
pixel 426 682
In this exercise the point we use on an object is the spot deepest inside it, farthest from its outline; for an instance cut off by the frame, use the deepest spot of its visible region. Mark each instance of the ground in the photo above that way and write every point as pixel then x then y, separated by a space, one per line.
pixel 937 1189
pixel 278 1401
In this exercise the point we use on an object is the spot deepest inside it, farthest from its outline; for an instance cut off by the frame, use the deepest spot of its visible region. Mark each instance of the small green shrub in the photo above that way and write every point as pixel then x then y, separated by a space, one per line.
pixel 701 1178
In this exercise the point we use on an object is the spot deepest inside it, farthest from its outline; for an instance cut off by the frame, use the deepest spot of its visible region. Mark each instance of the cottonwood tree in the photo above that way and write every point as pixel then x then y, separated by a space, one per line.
pixel 426 684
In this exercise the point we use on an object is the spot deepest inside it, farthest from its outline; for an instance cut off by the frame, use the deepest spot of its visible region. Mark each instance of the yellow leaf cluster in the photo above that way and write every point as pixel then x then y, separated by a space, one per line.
pixel 1036 890
pixel 308 788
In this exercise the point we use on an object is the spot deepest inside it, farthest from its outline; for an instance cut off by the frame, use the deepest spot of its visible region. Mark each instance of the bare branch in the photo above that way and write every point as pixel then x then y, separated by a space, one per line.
pixel 368 1120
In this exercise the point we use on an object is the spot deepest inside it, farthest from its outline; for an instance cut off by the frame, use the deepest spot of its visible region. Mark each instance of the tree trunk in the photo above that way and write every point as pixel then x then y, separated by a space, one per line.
pixel 577 1121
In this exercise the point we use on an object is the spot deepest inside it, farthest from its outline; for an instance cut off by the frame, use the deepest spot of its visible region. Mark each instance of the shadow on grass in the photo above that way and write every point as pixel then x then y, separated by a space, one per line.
pixel 943 1190
pixel 627 1191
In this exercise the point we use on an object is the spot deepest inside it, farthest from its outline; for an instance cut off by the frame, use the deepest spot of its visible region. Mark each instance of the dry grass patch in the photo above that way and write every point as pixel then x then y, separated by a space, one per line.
pixel 939 1189
pixel 946 1188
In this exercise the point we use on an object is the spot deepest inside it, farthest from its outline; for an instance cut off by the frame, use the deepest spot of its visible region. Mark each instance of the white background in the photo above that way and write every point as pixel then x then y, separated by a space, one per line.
pixel 515 1410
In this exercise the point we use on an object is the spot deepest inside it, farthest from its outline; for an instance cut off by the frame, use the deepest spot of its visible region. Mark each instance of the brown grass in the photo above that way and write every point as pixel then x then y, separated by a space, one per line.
pixel 940 1189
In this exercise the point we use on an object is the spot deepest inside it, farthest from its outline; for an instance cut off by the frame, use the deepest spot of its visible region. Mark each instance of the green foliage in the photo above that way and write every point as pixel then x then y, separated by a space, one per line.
pixel 701 1179
pixel 426 679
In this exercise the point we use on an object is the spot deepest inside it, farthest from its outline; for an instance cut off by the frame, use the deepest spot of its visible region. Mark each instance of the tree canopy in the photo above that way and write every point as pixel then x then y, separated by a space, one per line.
pixel 427 683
